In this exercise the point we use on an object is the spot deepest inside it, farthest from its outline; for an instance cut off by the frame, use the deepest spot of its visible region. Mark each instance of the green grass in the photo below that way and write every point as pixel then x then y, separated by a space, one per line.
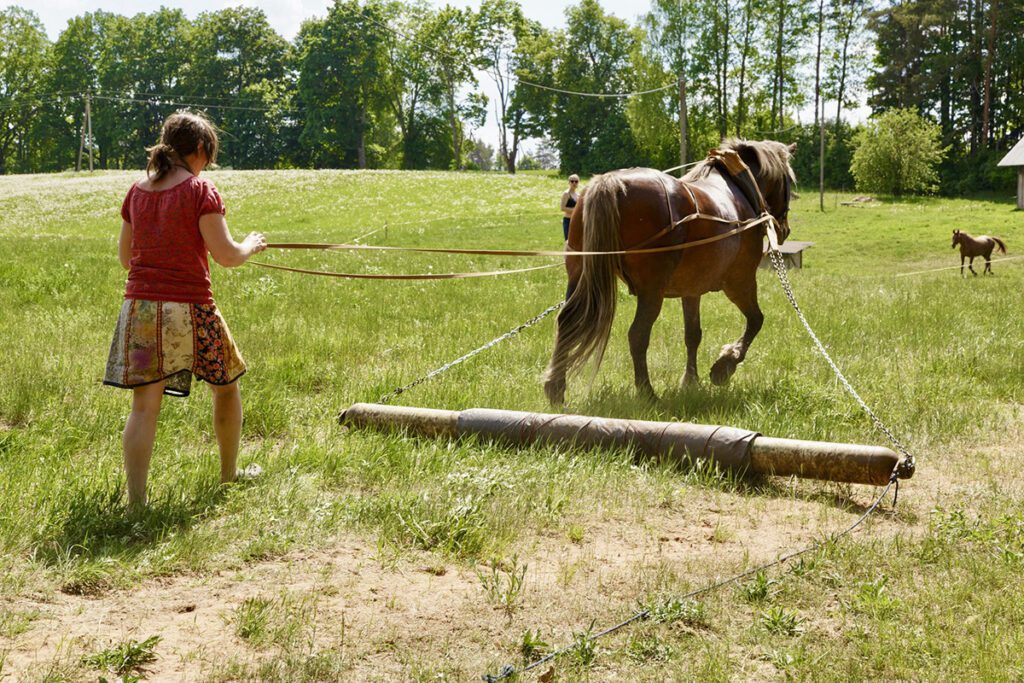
pixel 937 357
pixel 282 622
pixel 127 660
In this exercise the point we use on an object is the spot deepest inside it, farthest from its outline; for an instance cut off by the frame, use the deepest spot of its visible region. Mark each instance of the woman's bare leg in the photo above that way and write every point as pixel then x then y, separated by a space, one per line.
pixel 227 425
pixel 139 435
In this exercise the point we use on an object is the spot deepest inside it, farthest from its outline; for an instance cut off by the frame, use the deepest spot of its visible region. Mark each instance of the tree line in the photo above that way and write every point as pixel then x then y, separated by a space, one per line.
pixel 396 83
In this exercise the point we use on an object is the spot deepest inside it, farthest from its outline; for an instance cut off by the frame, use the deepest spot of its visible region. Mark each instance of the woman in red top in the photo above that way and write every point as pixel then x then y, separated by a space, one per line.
pixel 169 327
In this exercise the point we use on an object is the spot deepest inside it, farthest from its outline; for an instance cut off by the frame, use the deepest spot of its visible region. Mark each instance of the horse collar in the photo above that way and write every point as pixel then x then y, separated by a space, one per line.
pixel 737 169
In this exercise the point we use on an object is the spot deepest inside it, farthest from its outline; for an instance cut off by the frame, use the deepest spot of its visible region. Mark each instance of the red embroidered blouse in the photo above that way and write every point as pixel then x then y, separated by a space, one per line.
pixel 169 258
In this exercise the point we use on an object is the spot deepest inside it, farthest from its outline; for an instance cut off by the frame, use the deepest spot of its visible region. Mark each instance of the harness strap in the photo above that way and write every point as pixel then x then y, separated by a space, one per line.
pixel 741 174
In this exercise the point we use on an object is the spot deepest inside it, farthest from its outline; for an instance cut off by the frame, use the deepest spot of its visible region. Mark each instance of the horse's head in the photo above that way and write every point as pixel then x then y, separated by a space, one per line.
pixel 956 239
pixel 769 162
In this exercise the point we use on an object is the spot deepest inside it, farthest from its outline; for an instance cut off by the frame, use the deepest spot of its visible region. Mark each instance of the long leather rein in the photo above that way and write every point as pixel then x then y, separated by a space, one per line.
pixel 729 160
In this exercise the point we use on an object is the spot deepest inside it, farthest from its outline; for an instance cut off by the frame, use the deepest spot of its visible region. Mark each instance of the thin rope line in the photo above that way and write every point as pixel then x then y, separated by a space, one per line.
pixel 676 168
pixel 776 132
pixel 10 106
pixel 508 670
pixel 608 95
pixel 162 95
pixel 512 77
pixel 935 270
pixel 743 226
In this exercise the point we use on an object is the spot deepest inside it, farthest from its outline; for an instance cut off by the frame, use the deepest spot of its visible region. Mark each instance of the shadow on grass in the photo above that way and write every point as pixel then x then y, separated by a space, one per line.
pixel 96 532
pixel 694 402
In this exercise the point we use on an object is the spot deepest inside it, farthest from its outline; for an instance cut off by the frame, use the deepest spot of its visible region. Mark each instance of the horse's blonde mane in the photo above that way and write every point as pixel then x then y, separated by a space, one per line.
pixel 772 157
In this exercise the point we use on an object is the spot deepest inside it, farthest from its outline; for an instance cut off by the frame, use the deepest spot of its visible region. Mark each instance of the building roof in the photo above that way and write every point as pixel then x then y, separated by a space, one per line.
pixel 1015 157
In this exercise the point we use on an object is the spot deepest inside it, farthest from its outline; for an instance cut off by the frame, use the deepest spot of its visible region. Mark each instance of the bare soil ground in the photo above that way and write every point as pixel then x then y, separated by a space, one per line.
pixel 383 612
pixel 379 611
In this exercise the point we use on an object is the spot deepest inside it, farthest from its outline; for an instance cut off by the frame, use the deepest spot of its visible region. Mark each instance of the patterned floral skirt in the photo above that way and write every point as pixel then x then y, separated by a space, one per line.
pixel 161 340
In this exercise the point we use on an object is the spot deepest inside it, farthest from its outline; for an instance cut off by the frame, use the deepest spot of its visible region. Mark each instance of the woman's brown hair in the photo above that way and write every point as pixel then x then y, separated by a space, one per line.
pixel 181 136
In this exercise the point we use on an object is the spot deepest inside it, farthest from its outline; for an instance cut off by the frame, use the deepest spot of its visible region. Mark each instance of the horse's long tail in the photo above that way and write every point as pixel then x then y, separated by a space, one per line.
pixel 1000 244
pixel 585 321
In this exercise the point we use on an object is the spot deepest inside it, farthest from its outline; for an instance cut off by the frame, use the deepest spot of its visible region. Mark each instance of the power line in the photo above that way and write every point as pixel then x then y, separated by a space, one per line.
pixel 164 95
pixel 607 95
pixel 9 106
pixel 197 105
pixel 51 98
pixel 512 77
pixel 776 132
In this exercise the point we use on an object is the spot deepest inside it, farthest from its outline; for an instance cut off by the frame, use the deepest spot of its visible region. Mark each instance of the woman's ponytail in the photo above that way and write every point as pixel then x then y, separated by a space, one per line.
pixel 161 160
pixel 182 135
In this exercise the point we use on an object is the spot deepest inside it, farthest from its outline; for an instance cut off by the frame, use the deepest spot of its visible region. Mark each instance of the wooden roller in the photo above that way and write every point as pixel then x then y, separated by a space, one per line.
pixel 735 449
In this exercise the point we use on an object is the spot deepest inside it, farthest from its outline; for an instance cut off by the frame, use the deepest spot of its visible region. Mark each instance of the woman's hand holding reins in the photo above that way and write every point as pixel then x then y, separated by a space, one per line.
pixel 255 242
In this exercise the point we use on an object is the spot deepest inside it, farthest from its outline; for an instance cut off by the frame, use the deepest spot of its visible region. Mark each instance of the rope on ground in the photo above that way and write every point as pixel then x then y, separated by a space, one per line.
pixel 904 468
pixel 508 670
pixel 386 398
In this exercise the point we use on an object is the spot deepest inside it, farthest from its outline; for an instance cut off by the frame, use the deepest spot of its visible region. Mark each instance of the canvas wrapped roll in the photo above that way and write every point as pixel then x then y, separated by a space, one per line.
pixel 728 446
pixel 735 449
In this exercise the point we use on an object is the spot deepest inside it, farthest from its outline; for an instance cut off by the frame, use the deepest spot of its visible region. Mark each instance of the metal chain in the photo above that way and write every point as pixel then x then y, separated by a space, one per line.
pixel 906 466
pixel 386 398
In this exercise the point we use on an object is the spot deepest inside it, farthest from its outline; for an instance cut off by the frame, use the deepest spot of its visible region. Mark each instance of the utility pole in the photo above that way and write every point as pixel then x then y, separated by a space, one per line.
pixel 819 109
pixel 81 144
pixel 821 160
pixel 88 123
pixel 682 123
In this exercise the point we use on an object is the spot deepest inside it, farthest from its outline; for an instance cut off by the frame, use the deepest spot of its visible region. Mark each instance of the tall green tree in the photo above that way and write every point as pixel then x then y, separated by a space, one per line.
pixel 142 61
pixel 341 66
pixel 787 26
pixel 670 29
pixel 593 134
pixel 500 25
pixel 535 58
pixel 848 58
pixel 73 73
pixel 239 69
pixel 24 53
pixel 957 62
pixel 653 116
pixel 407 78
pixel 415 94
pixel 454 49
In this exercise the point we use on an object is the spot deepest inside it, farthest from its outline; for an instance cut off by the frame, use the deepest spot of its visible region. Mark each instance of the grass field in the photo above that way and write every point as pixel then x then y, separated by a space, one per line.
pixel 364 556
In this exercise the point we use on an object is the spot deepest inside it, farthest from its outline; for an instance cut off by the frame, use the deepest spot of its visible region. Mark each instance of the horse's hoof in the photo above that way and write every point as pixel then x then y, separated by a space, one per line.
pixel 722 371
pixel 689 380
pixel 647 395
pixel 555 391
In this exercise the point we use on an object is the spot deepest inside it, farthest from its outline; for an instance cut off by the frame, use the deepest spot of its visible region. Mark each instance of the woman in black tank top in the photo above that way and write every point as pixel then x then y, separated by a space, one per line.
pixel 569 199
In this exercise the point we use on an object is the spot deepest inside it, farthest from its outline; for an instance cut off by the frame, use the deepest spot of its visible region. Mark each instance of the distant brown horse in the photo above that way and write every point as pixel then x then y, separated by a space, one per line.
pixel 971 247
pixel 623 209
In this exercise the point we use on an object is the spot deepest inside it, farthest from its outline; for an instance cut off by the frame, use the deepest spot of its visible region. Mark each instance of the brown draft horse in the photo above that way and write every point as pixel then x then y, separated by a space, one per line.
pixel 971 247
pixel 622 209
